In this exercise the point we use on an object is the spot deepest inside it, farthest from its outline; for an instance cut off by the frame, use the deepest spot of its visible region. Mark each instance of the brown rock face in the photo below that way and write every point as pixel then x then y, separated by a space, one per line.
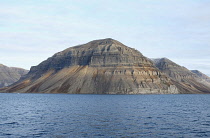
pixel 185 80
pixel 9 75
pixel 98 67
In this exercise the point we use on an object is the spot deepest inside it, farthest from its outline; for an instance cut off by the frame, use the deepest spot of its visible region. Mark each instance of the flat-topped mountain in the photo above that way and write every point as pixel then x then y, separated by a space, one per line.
pixel 99 67
pixel 9 75
pixel 185 80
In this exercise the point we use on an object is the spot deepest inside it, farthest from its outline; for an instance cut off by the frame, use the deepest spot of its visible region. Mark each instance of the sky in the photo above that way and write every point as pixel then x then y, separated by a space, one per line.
pixel 33 30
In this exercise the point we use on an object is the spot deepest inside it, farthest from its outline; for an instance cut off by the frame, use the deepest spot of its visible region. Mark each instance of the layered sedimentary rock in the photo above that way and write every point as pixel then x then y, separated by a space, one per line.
pixel 185 80
pixel 9 75
pixel 98 67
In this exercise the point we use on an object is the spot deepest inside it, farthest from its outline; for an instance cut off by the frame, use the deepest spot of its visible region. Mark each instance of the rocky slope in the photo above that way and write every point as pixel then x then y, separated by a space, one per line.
pixel 200 74
pixel 185 80
pixel 9 75
pixel 99 67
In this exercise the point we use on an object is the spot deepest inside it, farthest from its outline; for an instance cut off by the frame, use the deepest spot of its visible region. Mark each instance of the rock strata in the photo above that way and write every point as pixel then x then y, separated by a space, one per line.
pixel 99 67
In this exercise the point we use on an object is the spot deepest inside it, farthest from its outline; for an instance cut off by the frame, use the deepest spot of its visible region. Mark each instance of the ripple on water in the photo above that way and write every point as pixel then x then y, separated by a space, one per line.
pixel 11 123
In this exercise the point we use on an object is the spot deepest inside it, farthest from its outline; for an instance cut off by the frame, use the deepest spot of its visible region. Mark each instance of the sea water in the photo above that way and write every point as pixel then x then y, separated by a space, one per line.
pixel 68 115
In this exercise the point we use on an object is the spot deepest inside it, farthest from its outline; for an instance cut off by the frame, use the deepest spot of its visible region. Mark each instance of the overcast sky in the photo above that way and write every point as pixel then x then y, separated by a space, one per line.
pixel 33 30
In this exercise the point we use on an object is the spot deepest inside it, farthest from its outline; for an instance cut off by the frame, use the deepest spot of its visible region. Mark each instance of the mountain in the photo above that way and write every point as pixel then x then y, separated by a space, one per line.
pixel 103 66
pixel 185 80
pixel 9 75
pixel 200 74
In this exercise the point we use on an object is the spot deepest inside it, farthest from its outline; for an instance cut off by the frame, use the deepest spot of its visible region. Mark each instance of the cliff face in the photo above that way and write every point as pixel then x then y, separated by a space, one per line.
pixel 99 67
pixel 185 80
pixel 9 75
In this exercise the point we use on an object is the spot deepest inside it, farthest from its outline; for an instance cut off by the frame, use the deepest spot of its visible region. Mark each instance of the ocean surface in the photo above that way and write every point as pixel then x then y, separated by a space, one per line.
pixel 68 115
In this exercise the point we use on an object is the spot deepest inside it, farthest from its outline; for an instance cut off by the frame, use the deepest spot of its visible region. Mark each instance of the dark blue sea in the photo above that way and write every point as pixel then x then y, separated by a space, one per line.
pixel 77 116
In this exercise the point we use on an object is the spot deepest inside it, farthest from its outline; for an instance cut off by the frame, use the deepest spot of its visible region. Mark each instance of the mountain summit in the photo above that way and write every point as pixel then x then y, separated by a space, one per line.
pixel 103 66
pixel 98 53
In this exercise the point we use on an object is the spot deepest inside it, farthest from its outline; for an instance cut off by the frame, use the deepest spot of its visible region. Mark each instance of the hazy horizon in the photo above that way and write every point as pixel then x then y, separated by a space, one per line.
pixel 32 31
